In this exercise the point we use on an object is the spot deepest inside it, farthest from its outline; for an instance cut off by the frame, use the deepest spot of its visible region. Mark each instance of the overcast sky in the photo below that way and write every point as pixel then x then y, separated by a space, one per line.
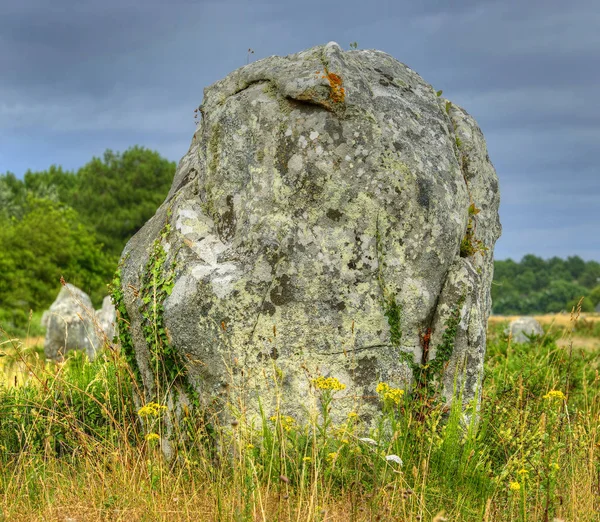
pixel 79 77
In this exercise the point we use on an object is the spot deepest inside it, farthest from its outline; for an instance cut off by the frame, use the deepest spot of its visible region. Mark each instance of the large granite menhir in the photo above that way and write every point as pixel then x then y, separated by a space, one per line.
pixel 331 214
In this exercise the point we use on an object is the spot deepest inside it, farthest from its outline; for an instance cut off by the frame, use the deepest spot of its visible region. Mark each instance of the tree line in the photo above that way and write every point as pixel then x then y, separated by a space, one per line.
pixel 537 286
pixel 57 223
pixel 75 224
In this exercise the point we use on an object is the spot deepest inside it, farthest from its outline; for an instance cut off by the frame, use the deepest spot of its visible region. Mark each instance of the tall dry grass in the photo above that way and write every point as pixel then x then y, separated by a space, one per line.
pixel 74 445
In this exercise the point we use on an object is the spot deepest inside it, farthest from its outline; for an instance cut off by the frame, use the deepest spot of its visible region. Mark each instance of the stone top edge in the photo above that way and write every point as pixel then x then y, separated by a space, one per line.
pixel 293 74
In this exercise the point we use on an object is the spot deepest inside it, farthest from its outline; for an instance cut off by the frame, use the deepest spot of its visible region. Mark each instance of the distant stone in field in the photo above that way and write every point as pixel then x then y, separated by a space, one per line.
pixel 106 319
pixel 523 326
pixel 335 217
pixel 69 324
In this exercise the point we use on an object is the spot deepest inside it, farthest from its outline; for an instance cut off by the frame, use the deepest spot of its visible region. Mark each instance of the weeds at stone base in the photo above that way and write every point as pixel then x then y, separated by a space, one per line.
pixel 72 446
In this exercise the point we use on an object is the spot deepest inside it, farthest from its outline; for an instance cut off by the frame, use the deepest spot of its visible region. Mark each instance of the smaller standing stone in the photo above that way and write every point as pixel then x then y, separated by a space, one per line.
pixel 69 324
pixel 522 327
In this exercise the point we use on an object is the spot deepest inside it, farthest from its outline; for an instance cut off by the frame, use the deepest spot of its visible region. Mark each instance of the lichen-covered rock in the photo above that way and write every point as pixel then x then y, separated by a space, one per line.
pixel 520 328
pixel 106 319
pixel 69 324
pixel 333 216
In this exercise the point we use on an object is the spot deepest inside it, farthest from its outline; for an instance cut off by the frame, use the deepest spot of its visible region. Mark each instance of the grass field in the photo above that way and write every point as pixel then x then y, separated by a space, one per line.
pixel 583 334
pixel 549 320
pixel 74 446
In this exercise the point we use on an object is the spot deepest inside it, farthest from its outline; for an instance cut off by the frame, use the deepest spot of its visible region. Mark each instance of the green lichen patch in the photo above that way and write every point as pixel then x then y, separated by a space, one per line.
pixel 270 89
pixel 390 162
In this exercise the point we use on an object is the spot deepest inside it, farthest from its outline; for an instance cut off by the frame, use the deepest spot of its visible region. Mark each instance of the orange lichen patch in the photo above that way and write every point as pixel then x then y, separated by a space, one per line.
pixel 338 93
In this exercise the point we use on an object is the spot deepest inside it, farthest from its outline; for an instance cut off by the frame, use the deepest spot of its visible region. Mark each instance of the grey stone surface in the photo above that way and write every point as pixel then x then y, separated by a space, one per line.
pixel 69 324
pixel 518 328
pixel 299 212
pixel 106 319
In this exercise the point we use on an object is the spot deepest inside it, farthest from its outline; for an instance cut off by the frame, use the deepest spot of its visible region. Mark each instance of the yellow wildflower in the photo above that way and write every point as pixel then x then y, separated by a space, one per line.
pixel 555 394
pixel 523 471
pixel 514 486
pixel 352 415
pixel 250 446
pixel 287 422
pixel 345 441
pixel 152 437
pixel 307 459
pixel 389 394
pixel 328 383
pixel 555 466
pixel 332 456
pixel 152 409
pixel 340 433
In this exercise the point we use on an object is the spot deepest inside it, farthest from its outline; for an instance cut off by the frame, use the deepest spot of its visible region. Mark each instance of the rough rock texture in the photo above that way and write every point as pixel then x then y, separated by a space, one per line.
pixel 523 326
pixel 106 319
pixel 314 228
pixel 69 324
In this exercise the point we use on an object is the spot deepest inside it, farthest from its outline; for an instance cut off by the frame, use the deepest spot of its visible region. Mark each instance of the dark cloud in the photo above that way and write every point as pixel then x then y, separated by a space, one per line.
pixel 80 77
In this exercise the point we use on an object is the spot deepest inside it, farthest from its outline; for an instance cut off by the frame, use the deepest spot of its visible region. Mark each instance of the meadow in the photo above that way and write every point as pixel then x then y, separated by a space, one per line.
pixel 76 446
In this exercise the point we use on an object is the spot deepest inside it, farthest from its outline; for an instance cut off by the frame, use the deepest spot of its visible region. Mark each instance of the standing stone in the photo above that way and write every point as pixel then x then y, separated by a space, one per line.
pixel 333 216
pixel 69 324
pixel 520 328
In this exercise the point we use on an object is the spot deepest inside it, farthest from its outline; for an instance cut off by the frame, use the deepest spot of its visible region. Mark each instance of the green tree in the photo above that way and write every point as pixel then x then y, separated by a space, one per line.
pixel 55 184
pixel 586 305
pixel 533 263
pixel 48 242
pixel 535 285
pixel 117 194
pixel 576 266
pixel 557 296
pixel 594 295
pixel 557 269
pixel 591 275
pixel 12 195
